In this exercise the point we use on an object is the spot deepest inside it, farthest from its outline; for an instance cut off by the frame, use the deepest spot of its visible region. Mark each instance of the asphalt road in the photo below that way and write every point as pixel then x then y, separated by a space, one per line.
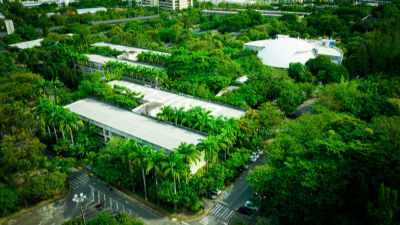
pixel 100 198
pixel 231 200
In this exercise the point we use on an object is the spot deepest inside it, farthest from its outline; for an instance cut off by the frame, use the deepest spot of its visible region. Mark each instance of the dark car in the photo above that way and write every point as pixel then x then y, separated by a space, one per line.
pixel 211 195
pixel 240 169
pixel 246 211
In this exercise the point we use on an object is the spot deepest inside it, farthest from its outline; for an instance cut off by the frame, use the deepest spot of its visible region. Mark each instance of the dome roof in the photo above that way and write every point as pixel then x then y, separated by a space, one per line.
pixel 281 52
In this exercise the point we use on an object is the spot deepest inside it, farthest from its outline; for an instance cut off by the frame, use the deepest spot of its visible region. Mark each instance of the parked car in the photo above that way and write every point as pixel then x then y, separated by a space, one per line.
pixel 293 116
pixel 253 158
pixel 260 152
pixel 246 167
pixel 246 211
pixel 215 191
pixel 255 154
pixel 211 195
pixel 240 169
pixel 227 183
pixel 251 205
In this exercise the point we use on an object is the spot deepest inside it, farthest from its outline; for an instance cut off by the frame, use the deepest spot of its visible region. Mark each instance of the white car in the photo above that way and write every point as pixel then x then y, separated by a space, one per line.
pixel 255 154
pixel 250 205
pixel 253 158
pixel 260 152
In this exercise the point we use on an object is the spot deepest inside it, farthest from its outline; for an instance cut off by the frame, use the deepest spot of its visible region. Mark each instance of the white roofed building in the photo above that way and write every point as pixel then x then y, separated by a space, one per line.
pixel 284 50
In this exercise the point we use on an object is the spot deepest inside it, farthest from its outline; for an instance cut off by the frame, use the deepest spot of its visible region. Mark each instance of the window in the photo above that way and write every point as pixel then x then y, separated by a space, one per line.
pixel 107 133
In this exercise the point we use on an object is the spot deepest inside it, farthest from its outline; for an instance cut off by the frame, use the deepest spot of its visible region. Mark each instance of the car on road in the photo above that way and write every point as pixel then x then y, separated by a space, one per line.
pixel 246 211
pixel 215 191
pixel 211 195
pixel 250 205
pixel 255 154
pixel 260 152
pixel 253 158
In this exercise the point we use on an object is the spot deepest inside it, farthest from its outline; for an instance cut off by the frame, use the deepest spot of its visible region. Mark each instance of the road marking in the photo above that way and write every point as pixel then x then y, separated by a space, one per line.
pixel 226 210
pixel 123 208
pixel 226 217
pixel 130 204
pixel 130 212
pixel 215 212
pixel 117 204
pixel 223 202
pixel 98 192
pixel 185 223
pixel 81 180
pixel 110 203
pixel 215 208
pixel 105 202
pixel 74 182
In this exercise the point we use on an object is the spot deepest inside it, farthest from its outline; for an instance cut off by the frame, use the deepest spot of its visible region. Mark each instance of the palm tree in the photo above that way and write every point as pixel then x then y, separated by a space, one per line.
pixel 91 159
pixel 209 146
pixel 154 161
pixel 178 114
pixel 139 156
pixel 165 114
pixel 189 118
pixel 230 139
pixel 202 122
pixel 221 142
pixel 175 168
pixel 188 152
pixel 71 122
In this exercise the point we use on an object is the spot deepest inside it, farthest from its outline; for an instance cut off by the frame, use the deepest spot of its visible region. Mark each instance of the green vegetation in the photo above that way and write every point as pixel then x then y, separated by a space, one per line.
pixel 336 164
pixel 106 218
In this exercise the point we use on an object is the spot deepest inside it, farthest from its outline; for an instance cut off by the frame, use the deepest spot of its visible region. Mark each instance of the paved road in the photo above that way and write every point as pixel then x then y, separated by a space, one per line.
pixel 101 199
pixel 232 198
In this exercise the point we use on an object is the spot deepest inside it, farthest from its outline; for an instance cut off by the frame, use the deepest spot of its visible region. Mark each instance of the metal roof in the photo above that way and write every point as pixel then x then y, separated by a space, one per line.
pixel 30 44
pixel 104 59
pixel 90 10
pixel 179 100
pixel 128 49
pixel 147 129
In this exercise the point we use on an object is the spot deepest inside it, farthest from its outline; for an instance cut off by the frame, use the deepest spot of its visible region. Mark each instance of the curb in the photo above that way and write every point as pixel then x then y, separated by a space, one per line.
pixel 229 219
pixel 201 215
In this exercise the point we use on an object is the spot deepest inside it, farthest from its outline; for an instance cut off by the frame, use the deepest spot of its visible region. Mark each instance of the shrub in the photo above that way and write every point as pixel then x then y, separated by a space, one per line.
pixel 197 207
pixel 44 186
pixel 8 200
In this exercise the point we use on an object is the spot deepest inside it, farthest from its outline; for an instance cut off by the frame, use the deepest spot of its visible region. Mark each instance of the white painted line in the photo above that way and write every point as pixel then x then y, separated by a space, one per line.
pixel 117 204
pixel 84 178
pixel 184 223
pixel 224 212
pixel 223 202
pixel 215 208
pixel 105 202
pixel 123 208
pixel 81 180
pixel 226 217
pixel 110 203
pixel 130 212
pixel 98 192
pixel 215 213
pixel 74 182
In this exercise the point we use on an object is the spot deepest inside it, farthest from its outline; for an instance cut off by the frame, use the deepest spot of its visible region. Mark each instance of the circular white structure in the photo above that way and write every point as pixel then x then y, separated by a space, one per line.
pixel 281 52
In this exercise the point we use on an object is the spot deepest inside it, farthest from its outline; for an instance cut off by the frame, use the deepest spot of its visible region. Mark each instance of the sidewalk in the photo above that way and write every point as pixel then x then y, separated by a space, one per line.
pixel 181 215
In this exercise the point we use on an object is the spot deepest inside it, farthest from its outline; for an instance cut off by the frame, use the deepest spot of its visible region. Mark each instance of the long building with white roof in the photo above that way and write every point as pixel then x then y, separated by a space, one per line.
pixel 178 100
pixel 112 121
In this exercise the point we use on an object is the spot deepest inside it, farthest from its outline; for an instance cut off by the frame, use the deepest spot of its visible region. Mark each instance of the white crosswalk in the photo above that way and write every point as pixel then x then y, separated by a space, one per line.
pixel 79 181
pixel 222 212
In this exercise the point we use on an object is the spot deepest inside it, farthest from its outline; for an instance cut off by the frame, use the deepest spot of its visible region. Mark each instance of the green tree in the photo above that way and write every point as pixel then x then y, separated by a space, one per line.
pixel 139 156
pixel 209 147
pixel 175 168
pixel 188 152
pixel 9 198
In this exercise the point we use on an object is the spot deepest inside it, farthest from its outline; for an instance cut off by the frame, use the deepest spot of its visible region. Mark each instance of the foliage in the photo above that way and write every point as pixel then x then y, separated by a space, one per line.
pixel 197 207
pixel 44 186
pixel 107 219
pixel 9 198
pixel 325 163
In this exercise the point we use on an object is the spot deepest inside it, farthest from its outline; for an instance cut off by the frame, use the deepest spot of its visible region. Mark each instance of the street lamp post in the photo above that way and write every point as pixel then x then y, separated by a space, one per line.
pixel 79 199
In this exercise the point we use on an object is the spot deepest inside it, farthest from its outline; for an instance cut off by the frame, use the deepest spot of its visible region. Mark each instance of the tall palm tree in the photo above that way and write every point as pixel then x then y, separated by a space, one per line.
pixel 221 142
pixel 154 160
pixel 209 146
pixel 230 139
pixel 202 122
pixel 71 121
pixel 126 148
pixel 178 114
pixel 175 168
pixel 189 153
pixel 139 156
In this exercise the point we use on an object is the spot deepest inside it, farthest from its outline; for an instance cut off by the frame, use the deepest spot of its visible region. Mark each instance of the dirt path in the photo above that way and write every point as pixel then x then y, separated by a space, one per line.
pixel 306 107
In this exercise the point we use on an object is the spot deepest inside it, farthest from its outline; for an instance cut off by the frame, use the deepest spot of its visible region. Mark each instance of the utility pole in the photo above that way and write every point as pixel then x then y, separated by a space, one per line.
pixel 79 200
